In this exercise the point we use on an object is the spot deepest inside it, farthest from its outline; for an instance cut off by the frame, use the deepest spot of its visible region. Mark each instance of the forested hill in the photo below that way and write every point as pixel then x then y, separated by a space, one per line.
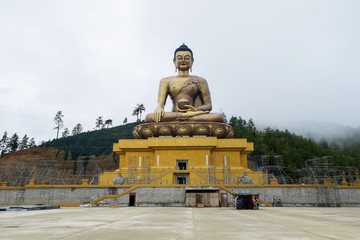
pixel 294 149
pixel 98 142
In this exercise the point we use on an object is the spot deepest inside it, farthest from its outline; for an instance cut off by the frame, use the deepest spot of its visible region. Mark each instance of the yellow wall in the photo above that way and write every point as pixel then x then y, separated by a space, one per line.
pixel 202 154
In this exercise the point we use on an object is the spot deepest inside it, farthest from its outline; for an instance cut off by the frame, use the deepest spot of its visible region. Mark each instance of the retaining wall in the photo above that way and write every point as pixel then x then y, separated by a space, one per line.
pixel 175 196
pixel 318 196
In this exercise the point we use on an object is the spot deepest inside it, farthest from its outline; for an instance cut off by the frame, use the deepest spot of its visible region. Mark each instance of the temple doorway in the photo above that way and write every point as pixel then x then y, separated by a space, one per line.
pixel 181 178
pixel 132 199
pixel 198 199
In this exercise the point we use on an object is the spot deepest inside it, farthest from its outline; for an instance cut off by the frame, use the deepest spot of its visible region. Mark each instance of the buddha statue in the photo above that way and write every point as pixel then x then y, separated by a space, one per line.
pixel 190 94
pixel 191 99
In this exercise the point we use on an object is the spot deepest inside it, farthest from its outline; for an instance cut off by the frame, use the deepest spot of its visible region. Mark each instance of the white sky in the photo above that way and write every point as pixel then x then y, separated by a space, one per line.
pixel 279 62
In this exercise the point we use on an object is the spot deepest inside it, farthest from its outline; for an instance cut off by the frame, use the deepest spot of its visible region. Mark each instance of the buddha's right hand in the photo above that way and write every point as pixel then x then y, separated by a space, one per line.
pixel 187 108
pixel 158 114
pixel 192 114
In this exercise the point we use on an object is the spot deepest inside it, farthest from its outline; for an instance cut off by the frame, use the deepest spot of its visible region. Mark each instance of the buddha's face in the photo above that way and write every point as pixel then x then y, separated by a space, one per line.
pixel 183 60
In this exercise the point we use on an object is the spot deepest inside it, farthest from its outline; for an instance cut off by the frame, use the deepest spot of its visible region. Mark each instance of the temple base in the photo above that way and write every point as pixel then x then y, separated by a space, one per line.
pixel 173 129
pixel 200 161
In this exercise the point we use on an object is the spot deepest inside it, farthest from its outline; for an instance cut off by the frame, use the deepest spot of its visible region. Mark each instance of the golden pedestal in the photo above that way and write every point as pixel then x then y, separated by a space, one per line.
pixel 184 128
pixel 195 161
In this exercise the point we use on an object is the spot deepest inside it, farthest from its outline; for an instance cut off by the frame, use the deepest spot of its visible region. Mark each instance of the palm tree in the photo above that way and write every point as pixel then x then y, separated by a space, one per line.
pixel 138 110
pixel 141 109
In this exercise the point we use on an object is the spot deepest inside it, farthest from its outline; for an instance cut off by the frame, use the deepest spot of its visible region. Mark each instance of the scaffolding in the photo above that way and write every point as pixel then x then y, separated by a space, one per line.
pixel 146 170
pixel 322 173
pixel 14 173
pixel 219 171
pixel 273 167
pixel 132 168
pixel 49 172
pixel 316 170
pixel 18 173
pixel 351 175
pixel 87 167
pixel 211 176
pixel 226 173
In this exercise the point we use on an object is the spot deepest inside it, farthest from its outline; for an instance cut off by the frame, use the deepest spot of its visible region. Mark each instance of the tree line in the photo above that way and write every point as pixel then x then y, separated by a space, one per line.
pixel 78 128
pixel 59 122
pixel 100 123
pixel 294 149
pixel 14 143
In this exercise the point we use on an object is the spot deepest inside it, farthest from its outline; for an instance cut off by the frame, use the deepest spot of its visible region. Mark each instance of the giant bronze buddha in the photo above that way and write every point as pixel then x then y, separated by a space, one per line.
pixel 191 99
pixel 190 94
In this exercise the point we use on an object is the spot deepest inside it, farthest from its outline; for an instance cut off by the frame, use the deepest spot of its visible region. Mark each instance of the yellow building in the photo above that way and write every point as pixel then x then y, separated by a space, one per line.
pixel 191 161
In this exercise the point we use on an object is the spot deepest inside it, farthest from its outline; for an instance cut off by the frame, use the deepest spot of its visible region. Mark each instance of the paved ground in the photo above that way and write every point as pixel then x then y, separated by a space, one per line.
pixel 182 223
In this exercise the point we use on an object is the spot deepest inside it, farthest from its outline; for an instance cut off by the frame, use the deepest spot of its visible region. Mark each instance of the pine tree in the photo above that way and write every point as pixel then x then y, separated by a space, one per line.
pixel 99 123
pixel 251 125
pixel 14 142
pixel 4 145
pixel 65 133
pixel 32 143
pixel 59 122
pixel 24 143
pixel 108 123
pixel 77 129
pixel 125 121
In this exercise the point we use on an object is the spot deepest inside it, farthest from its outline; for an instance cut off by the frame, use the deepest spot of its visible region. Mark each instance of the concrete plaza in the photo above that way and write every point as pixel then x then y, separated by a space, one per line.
pixel 181 223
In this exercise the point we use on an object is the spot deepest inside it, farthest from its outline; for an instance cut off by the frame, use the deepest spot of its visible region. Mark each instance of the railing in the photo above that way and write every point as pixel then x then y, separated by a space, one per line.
pixel 199 176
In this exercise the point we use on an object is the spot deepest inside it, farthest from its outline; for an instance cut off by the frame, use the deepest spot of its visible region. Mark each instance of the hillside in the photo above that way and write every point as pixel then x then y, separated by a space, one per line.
pixel 98 142
pixel 61 155
pixel 294 149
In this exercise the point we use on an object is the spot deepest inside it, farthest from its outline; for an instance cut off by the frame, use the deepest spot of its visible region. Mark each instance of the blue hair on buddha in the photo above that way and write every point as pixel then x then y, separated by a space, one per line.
pixel 183 47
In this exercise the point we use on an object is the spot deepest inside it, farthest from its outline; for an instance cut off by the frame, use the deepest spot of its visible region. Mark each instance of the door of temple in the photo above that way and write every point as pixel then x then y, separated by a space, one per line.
pixel 132 199
pixel 224 200
pixel 198 199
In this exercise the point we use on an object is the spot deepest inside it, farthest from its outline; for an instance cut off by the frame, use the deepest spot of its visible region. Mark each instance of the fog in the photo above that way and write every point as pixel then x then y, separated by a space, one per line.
pixel 285 64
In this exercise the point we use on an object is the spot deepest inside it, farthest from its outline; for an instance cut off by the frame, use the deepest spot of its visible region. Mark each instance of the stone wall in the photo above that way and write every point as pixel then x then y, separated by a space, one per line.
pixel 176 196
pixel 321 196
pixel 42 195
pixel 208 199
pixel 152 197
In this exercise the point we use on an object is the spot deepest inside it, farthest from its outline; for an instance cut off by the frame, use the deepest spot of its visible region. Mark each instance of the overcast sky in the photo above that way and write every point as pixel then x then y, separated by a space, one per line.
pixel 278 62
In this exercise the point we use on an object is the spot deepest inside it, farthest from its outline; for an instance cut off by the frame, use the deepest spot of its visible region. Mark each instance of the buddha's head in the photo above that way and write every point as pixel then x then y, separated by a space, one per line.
pixel 183 58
